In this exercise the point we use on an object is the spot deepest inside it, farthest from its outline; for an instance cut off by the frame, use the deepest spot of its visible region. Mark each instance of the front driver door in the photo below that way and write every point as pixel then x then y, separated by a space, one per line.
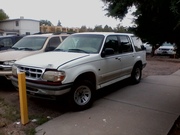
pixel 110 64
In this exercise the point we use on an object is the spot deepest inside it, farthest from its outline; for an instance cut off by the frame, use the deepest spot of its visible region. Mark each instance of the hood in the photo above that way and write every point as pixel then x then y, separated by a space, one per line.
pixel 15 54
pixel 50 59
pixel 166 47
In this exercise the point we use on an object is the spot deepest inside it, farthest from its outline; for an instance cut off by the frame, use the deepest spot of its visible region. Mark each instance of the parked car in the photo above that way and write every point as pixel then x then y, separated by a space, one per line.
pixel 83 63
pixel 166 49
pixel 8 41
pixel 148 47
pixel 28 45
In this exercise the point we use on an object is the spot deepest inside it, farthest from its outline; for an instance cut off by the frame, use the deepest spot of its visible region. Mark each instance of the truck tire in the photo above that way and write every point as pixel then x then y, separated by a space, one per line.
pixel 81 95
pixel 136 74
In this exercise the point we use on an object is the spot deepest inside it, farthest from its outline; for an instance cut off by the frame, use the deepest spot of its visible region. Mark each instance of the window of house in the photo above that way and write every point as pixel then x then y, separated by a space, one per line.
pixel 17 23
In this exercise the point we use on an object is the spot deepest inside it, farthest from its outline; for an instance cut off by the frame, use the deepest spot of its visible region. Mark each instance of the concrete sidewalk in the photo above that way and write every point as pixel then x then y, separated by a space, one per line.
pixel 149 108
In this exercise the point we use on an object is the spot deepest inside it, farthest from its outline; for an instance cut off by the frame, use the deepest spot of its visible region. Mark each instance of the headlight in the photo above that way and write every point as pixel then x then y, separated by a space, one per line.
pixel 14 70
pixel 54 76
pixel 10 63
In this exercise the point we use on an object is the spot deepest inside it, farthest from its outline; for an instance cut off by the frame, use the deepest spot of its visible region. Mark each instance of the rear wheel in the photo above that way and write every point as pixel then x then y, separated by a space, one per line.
pixel 136 74
pixel 81 95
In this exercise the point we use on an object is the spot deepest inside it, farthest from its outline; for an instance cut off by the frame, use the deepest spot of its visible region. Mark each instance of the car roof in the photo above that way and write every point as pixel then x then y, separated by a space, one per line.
pixel 105 33
pixel 48 35
pixel 9 36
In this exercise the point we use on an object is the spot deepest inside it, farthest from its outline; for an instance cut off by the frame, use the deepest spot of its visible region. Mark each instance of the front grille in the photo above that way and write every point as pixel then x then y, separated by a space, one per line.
pixel 165 49
pixel 31 72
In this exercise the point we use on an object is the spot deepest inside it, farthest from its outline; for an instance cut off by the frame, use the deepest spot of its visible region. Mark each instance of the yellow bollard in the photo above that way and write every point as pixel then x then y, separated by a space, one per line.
pixel 23 98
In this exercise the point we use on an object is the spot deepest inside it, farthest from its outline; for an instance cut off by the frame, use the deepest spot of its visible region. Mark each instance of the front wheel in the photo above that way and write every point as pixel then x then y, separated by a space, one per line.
pixel 81 95
pixel 136 74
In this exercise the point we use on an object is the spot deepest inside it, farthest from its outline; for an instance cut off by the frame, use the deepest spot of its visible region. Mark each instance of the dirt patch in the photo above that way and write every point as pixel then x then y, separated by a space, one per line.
pixel 41 111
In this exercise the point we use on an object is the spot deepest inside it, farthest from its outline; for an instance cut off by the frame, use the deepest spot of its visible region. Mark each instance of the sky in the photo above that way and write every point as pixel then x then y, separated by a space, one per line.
pixel 71 13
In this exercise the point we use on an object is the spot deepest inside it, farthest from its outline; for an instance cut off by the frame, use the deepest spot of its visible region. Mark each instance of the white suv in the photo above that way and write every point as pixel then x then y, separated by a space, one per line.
pixel 28 45
pixel 83 63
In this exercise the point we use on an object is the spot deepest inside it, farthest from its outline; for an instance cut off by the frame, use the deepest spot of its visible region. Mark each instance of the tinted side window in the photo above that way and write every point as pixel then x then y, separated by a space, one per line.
pixel 112 42
pixel 64 37
pixel 18 38
pixel 126 45
pixel 6 42
pixel 53 43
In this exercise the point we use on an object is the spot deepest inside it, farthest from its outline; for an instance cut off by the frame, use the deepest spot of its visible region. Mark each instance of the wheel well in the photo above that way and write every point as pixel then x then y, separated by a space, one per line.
pixel 139 63
pixel 87 76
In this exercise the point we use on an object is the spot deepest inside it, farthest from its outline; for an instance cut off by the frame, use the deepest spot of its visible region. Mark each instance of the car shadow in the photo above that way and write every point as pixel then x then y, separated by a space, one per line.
pixel 112 88
pixel 6 85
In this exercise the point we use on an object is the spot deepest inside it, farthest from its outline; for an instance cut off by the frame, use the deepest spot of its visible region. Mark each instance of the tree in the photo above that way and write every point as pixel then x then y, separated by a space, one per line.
pixel 59 23
pixel 83 29
pixel 156 20
pixel 3 15
pixel 45 22
pixel 107 28
pixel 120 28
pixel 98 28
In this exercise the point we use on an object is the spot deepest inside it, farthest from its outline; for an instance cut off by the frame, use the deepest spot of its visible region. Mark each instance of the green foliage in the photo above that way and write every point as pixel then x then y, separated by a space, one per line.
pixel 30 131
pixel 156 20
pixel 106 28
pixel 9 112
pixel 3 15
pixel 45 22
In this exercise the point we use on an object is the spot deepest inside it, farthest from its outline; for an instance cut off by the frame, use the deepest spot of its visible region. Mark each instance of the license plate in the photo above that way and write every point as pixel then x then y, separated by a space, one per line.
pixel 164 52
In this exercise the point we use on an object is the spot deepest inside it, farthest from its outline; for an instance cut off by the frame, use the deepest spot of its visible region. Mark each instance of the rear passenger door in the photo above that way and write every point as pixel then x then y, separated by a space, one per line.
pixel 127 55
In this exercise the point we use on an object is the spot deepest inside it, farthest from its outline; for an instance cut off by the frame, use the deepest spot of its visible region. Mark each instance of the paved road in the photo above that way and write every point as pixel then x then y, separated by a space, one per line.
pixel 149 108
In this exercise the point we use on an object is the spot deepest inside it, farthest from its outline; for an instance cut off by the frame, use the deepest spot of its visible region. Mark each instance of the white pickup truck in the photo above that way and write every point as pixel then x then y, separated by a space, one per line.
pixel 83 63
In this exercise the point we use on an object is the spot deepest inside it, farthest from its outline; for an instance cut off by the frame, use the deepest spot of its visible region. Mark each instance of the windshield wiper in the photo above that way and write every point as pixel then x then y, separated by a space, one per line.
pixel 77 50
pixel 15 48
pixel 24 48
pixel 61 50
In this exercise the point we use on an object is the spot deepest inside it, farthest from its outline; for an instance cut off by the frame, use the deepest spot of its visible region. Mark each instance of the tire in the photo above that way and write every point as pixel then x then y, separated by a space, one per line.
pixel 136 74
pixel 81 95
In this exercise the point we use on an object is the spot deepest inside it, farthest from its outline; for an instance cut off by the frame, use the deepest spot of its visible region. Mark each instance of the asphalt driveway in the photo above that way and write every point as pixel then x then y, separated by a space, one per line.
pixel 149 108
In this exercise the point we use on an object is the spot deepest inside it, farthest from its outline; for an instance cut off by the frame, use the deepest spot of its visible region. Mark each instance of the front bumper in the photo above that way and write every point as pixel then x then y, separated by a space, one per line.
pixel 7 74
pixel 42 89
pixel 165 52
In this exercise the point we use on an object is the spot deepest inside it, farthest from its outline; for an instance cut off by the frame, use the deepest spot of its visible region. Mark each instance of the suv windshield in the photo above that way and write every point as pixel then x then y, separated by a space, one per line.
pixel 30 43
pixel 168 44
pixel 85 43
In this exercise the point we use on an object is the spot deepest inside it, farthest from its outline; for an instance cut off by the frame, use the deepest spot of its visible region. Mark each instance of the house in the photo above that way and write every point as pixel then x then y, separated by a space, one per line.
pixel 19 26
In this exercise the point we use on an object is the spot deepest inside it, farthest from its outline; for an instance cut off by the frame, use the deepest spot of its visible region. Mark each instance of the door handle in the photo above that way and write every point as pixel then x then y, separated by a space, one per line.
pixel 118 58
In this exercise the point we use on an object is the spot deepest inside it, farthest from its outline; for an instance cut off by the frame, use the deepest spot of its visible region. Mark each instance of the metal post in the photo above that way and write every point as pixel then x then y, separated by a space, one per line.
pixel 23 98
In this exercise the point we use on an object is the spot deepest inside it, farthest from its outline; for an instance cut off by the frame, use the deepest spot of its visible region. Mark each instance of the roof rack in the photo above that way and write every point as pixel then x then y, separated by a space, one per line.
pixel 57 33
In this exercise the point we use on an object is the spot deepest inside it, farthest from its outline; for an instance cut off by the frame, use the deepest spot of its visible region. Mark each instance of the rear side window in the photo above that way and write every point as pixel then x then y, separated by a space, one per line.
pixel 53 43
pixel 126 45
pixel 64 37
pixel 18 38
pixel 137 43
pixel 6 42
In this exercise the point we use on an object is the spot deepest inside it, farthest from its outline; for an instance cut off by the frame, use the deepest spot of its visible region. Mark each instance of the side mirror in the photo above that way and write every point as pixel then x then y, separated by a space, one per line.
pixel 107 51
pixel 143 47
